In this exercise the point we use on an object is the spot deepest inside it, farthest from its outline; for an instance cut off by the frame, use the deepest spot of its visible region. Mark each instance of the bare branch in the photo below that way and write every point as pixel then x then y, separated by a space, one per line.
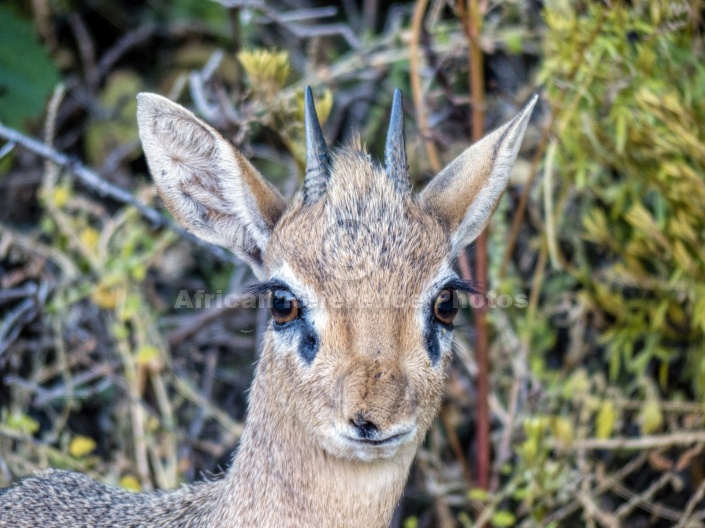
pixel 287 19
pixel 638 443
pixel 93 181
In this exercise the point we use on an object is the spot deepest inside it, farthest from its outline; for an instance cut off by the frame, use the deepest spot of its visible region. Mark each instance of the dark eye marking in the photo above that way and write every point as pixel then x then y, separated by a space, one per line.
pixel 432 346
pixel 308 345
pixel 442 311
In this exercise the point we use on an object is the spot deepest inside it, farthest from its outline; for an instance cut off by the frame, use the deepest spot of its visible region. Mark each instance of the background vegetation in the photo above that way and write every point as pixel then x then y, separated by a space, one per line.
pixel 597 387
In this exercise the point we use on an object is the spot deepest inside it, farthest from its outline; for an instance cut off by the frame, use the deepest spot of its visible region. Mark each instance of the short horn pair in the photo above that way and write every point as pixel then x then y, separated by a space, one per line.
pixel 318 162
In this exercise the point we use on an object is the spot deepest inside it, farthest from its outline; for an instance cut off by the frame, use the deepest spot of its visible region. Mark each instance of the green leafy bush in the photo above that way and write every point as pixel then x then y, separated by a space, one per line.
pixel 627 87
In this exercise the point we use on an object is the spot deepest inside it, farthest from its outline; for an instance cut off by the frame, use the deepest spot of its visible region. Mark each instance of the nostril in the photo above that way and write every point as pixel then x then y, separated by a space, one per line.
pixel 363 427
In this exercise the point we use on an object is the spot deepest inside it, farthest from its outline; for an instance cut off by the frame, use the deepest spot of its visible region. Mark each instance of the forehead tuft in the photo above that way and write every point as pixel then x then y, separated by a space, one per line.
pixel 364 233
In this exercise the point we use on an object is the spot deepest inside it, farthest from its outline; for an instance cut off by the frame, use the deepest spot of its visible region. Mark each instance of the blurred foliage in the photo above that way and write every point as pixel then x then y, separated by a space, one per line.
pixel 266 70
pixel 619 253
pixel 267 73
pixel 114 123
pixel 627 86
pixel 27 73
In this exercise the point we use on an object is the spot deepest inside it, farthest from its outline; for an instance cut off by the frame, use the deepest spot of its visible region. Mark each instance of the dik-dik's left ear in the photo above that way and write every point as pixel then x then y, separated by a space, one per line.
pixel 465 194
pixel 205 182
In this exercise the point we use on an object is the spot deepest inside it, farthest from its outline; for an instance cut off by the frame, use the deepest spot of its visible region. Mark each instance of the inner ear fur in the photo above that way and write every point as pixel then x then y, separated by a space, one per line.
pixel 465 194
pixel 205 182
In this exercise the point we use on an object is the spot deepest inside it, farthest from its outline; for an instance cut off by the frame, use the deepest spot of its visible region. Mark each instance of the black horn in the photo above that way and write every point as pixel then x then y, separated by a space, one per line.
pixel 317 164
pixel 395 148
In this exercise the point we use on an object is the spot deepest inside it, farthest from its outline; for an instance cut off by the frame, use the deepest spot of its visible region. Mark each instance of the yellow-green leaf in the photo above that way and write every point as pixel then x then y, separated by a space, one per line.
pixel 22 423
pixel 61 196
pixel 562 429
pixel 651 416
pixel 130 483
pixel 503 519
pixel 411 522
pixel 104 296
pixel 606 419
pixel 81 446
pixel 478 494
pixel 89 238
pixel 147 354
pixel 267 70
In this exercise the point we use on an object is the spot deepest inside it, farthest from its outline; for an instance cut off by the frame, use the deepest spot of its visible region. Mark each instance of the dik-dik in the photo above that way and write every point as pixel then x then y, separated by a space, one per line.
pixel 363 297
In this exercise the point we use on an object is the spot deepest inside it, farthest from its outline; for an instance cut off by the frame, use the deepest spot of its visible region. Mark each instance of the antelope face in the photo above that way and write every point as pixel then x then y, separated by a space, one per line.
pixel 363 301
pixel 359 268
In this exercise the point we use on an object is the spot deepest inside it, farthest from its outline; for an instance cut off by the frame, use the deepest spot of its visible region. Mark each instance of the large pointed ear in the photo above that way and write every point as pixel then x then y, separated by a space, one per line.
pixel 465 194
pixel 205 182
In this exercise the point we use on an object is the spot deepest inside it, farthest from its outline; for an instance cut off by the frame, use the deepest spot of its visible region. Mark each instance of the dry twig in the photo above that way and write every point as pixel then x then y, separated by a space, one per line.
pixel 94 182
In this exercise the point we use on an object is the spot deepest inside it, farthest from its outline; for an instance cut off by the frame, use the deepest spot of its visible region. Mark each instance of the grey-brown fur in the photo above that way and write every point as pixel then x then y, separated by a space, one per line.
pixel 367 259
pixel 65 498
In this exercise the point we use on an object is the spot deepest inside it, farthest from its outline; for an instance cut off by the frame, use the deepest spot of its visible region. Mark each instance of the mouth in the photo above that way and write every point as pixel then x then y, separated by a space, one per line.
pixel 394 439
pixel 381 445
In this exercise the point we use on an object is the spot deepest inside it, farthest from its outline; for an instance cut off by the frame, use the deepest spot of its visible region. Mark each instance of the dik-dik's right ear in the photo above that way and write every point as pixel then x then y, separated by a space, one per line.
pixel 465 194
pixel 205 182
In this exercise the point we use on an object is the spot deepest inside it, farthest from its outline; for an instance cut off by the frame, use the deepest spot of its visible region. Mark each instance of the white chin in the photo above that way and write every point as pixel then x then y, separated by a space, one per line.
pixel 349 449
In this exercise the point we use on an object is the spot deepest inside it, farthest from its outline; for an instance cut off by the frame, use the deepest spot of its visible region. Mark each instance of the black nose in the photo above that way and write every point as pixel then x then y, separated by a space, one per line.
pixel 363 427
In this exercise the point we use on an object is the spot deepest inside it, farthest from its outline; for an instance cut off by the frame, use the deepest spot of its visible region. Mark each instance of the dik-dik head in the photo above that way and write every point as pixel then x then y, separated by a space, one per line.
pixel 360 268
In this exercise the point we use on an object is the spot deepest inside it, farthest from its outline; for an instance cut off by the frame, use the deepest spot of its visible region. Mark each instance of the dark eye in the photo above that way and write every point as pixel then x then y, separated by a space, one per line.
pixel 285 307
pixel 445 307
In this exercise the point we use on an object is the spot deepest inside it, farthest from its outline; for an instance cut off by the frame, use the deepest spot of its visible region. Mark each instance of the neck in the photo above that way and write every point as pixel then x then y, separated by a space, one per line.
pixel 282 477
